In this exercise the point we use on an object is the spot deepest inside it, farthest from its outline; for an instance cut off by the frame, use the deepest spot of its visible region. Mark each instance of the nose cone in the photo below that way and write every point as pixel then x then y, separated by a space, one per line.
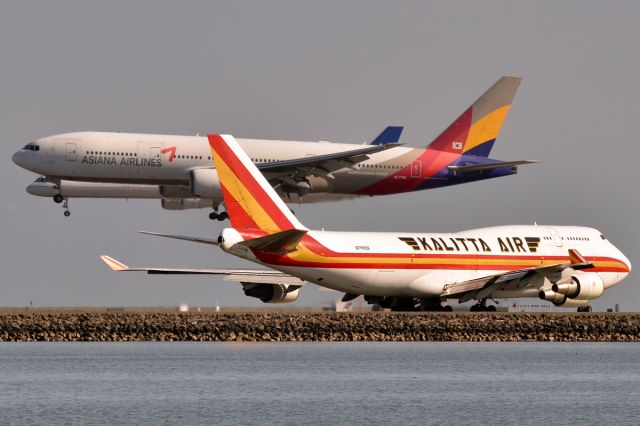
pixel 26 159
pixel 626 261
pixel 17 158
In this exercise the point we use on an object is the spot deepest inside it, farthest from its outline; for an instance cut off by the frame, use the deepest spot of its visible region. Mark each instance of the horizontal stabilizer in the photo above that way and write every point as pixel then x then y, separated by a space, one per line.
pixel 280 242
pixel 488 166
pixel 183 237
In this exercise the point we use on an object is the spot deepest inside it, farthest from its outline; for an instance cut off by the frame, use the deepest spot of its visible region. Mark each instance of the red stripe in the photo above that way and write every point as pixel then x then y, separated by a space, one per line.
pixel 241 173
pixel 238 217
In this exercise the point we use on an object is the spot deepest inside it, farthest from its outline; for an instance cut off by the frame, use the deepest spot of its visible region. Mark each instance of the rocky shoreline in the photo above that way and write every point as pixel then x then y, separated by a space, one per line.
pixel 319 327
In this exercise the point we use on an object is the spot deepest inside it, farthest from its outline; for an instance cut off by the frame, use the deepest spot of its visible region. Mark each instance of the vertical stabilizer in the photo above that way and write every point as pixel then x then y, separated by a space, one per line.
pixel 476 130
pixel 251 201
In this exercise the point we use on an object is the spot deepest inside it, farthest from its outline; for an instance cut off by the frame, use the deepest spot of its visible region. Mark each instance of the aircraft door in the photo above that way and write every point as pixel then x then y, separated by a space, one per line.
pixel 416 169
pixel 72 152
pixel 154 152
pixel 555 237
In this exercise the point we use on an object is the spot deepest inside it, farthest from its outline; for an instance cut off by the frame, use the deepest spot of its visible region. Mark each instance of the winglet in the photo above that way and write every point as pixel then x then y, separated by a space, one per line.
pixel 389 135
pixel 114 264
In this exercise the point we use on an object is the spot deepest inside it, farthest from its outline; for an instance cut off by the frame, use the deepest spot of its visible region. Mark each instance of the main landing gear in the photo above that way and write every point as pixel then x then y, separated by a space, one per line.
pixel 65 203
pixel 585 308
pixel 218 216
pixel 482 306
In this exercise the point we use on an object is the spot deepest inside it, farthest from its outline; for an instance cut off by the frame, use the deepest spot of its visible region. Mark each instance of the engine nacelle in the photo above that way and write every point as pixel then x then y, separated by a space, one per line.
pixel 175 191
pixel 559 299
pixel 553 297
pixel 205 184
pixel 270 293
pixel 571 303
pixel 581 286
pixel 185 203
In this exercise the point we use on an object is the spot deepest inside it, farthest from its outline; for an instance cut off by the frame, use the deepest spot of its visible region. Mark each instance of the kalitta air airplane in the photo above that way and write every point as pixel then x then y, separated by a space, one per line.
pixel 179 170
pixel 568 266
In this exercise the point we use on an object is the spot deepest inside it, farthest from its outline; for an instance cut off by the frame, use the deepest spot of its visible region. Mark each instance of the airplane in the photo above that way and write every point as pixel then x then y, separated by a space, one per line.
pixel 303 172
pixel 566 265
pixel 61 190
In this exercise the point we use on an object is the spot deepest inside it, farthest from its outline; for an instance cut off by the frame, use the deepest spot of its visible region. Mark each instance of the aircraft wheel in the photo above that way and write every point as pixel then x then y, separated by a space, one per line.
pixel 213 215
pixel 223 216
pixel 58 198
pixel 67 213
pixel 447 308
pixel 491 308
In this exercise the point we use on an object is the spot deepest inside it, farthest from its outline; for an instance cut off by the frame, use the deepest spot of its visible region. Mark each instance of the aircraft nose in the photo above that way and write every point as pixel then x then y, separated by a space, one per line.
pixel 18 158
pixel 626 262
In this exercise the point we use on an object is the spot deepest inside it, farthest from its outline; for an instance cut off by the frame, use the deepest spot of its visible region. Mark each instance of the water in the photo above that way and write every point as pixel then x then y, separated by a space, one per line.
pixel 319 383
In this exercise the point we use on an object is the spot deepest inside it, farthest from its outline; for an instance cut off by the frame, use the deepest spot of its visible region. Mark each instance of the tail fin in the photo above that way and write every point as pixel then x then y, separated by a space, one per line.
pixel 251 201
pixel 389 135
pixel 475 131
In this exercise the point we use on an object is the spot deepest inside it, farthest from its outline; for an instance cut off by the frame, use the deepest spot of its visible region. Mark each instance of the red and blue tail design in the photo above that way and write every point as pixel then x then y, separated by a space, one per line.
pixel 476 130
pixel 468 140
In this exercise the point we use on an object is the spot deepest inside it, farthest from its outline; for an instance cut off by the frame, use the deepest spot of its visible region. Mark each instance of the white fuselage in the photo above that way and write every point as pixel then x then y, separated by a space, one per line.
pixel 139 158
pixel 420 265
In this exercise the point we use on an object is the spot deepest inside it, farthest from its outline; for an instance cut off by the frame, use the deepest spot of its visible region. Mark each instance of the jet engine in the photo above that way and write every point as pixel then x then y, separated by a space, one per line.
pixel 185 203
pixel 205 184
pixel 271 293
pixel 580 285
pixel 561 300
pixel 175 191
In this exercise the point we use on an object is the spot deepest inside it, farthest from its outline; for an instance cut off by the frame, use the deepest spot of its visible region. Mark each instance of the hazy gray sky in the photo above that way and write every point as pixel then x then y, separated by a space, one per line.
pixel 324 70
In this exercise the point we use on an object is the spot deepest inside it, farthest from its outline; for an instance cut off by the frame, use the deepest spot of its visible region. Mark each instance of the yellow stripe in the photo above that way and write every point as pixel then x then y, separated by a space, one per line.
pixel 486 128
pixel 243 196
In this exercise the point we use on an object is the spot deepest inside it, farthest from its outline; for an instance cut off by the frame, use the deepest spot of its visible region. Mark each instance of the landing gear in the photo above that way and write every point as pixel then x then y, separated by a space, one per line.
pixel 218 216
pixel 434 305
pixel 482 306
pixel 65 203
pixel 585 308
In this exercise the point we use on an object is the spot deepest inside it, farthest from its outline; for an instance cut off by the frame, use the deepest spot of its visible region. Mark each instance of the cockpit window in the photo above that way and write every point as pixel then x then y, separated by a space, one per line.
pixel 41 179
pixel 31 147
pixel 603 237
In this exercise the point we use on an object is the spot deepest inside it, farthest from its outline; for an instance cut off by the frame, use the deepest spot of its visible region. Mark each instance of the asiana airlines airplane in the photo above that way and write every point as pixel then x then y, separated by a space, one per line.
pixel 566 265
pixel 179 169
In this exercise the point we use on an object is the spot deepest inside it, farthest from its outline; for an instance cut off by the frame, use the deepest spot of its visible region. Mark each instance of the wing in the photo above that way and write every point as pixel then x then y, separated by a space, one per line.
pixel 292 175
pixel 259 276
pixel 482 288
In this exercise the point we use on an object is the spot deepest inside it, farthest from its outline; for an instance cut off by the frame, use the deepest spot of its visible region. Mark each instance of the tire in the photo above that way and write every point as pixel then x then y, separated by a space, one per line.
pixel 58 198
pixel 67 213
